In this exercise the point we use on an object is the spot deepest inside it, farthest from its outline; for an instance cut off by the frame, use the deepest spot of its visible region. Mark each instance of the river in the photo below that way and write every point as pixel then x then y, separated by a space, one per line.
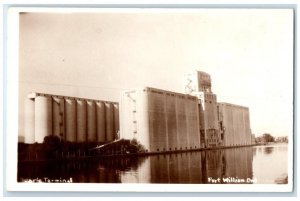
pixel 257 165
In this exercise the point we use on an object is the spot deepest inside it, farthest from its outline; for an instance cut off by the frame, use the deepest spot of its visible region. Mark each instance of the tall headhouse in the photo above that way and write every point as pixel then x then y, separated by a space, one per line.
pixel 198 84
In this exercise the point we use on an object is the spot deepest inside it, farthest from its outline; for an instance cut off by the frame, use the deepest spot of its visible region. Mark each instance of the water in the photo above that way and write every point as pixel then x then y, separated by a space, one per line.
pixel 259 164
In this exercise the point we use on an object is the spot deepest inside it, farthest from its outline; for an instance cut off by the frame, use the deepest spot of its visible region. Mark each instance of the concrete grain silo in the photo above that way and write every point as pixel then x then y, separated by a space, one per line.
pixel 109 121
pixel 29 121
pixel 43 117
pixel 81 120
pixel 57 112
pixel 116 119
pixel 100 107
pixel 91 122
pixel 70 118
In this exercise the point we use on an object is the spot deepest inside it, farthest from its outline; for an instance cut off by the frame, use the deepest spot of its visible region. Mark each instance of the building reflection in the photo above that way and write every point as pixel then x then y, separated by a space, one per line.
pixel 184 168
pixel 195 167
pixel 103 170
pixel 238 164
pixel 268 150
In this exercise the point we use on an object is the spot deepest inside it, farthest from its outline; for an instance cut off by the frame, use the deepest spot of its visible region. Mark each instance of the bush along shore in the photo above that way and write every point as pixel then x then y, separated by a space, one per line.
pixel 53 148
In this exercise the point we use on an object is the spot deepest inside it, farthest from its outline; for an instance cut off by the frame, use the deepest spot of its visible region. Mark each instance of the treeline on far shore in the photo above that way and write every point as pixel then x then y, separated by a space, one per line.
pixel 268 138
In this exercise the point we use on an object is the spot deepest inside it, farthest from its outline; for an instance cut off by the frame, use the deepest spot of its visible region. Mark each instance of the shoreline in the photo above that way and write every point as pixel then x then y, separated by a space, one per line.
pixel 142 154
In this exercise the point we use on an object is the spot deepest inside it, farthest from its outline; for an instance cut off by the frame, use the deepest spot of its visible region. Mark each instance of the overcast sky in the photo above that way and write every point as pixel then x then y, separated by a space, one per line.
pixel 247 52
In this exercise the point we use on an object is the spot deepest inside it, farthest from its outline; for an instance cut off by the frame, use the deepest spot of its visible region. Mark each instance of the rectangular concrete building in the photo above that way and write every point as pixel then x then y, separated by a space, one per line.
pixel 234 125
pixel 160 120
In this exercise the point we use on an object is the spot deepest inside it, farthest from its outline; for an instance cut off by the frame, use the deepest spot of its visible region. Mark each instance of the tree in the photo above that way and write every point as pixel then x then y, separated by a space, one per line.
pixel 268 137
pixel 51 146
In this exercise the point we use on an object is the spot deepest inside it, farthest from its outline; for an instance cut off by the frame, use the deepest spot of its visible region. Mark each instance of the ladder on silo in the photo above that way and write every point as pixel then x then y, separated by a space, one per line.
pixel 134 118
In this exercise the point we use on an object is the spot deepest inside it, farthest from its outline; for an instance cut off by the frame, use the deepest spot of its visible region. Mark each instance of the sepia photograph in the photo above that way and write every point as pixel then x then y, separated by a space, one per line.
pixel 152 96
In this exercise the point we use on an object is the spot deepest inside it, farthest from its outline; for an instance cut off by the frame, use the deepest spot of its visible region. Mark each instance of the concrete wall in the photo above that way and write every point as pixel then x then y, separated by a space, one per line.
pixel 160 120
pixel 236 124
pixel 72 119
pixel 181 123
pixel 157 121
pixel 134 118
pixel 192 119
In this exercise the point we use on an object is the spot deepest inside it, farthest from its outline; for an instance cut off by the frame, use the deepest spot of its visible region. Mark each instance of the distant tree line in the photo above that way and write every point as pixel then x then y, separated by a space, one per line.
pixel 267 137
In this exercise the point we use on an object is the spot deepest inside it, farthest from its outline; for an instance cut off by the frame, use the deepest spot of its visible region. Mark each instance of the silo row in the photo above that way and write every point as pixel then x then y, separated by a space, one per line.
pixel 74 120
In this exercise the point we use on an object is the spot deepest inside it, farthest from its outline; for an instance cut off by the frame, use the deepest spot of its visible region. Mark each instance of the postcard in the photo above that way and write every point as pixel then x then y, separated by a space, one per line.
pixel 150 99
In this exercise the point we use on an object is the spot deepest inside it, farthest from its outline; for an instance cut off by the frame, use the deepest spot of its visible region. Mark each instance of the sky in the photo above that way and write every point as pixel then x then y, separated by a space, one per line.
pixel 97 55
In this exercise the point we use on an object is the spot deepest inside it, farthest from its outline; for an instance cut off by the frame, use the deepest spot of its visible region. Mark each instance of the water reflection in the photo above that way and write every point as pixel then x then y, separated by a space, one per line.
pixel 237 165
pixel 87 171
pixel 270 164
pixel 268 150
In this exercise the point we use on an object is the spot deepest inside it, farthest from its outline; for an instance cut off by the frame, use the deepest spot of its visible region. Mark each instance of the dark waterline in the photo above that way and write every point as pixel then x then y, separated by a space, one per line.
pixel 222 166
